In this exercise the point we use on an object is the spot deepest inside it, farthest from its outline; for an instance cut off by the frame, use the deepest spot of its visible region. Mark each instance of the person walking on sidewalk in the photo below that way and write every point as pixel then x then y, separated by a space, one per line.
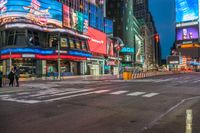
pixel 1 78
pixel 11 77
pixel 17 74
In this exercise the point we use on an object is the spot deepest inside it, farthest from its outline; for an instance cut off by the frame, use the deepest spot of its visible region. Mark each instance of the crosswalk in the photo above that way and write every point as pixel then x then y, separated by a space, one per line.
pixel 54 94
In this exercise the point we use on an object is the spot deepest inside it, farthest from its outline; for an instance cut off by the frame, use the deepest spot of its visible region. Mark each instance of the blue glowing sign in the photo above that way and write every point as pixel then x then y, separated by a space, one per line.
pixel 40 12
pixel 108 26
pixel 27 50
pixel 79 53
pixel 186 10
pixel 127 50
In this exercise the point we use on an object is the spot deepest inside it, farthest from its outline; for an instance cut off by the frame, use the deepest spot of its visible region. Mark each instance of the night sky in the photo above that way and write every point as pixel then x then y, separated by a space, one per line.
pixel 163 12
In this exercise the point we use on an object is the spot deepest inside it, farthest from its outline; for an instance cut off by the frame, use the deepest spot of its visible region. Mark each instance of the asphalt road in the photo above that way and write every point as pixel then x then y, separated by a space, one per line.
pixel 152 105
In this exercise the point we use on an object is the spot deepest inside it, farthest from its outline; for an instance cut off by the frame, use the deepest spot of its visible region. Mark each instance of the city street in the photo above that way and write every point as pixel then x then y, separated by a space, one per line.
pixel 151 105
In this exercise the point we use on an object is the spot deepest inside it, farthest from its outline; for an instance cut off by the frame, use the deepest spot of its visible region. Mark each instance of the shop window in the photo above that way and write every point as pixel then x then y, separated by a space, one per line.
pixel 20 37
pixel 33 38
pixel 83 45
pixel 53 42
pixel 64 43
pixel 78 45
pixel 71 43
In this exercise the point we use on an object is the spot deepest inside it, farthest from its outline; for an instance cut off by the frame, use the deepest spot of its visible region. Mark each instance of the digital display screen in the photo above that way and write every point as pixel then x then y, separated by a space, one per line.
pixel 39 12
pixel 108 26
pixel 187 33
pixel 73 19
pixel 97 42
pixel 186 10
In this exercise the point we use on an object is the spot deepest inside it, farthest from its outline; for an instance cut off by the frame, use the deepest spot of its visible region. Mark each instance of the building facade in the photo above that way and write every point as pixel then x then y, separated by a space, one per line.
pixel 127 28
pixel 35 34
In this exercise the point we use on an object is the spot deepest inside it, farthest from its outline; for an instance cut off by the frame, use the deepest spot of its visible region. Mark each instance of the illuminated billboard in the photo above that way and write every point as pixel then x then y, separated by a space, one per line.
pixel 73 19
pixel 186 10
pixel 108 26
pixel 39 12
pixel 97 41
pixel 187 33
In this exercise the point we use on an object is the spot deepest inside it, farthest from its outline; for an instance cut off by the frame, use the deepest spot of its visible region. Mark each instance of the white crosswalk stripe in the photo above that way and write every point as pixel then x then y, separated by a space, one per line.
pixel 118 92
pixel 136 93
pixel 54 94
pixel 150 95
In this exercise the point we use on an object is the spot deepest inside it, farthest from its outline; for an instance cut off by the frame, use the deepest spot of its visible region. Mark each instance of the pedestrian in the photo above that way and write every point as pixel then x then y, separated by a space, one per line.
pixel 17 74
pixel 11 77
pixel 1 78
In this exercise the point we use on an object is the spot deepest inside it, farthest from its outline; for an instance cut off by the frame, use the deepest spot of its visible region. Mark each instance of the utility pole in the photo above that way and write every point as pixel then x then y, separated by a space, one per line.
pixel 59 75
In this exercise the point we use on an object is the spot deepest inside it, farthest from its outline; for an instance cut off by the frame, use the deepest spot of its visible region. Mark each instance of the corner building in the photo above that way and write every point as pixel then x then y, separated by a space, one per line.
pixel 32 31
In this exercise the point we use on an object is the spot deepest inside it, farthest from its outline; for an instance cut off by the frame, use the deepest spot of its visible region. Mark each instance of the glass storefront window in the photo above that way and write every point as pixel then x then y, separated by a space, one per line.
pixel 83 45
pixel 71 43
pixel 78 45
pixel 27 67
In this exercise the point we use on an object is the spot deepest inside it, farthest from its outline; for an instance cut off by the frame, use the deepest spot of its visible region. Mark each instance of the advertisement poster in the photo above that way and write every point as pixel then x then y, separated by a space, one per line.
pixel 39 12
pixel 73 19
pixel 85 23
pixel 64 43
pixel 97 42
pixel 186 10
pixel 108 26
pixel 187 33
pixel 66 16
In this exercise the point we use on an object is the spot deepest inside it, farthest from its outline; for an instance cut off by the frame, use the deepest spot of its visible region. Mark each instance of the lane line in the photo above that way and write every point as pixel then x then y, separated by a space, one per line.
pixel 137 93
pixel 21 100
pixel 76 95
pixel 119 92
pixel 150 95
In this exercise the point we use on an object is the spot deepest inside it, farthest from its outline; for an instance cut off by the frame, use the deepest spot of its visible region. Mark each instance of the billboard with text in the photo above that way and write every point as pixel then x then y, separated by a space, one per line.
pixel 187 33
pixel 39 12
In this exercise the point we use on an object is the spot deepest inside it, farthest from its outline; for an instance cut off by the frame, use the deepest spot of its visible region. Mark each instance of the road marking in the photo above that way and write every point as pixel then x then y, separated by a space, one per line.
pixel 150 95
pixel 136 93
pixel 119 92
pixel 76 95
pixel 196 81
pixel 21 100
pixel 101 91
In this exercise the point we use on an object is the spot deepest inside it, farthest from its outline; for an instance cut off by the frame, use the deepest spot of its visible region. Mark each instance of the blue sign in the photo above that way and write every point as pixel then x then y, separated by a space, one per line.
pixel 127 50
pixel 79 53
pixel 40 12
pixel 195 63
pixel 186 10
pixel 27 50
pixel 108 26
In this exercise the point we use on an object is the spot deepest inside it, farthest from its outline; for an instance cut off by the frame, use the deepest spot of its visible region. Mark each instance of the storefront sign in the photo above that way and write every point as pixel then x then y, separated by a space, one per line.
pixel 39 12
pixel 127 50
pixel 111 63
pixel 53 57
pixel 97 41
pixel 26 50
pixel 62 51
pixel 28 55
pixel 12 56
pixel 79 53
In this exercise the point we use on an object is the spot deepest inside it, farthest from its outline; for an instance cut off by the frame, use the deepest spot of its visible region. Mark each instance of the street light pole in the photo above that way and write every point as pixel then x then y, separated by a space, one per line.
pixel 59 75
pixel 10 61
pixel 118 75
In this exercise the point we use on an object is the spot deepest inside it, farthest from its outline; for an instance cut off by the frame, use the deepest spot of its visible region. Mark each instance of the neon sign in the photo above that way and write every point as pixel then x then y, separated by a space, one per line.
pixel 26 50
pixel 127 50
pixel 80 53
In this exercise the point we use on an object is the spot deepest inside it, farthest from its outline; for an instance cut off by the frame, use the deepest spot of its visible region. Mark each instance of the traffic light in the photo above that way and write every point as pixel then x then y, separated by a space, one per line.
pixel 156 37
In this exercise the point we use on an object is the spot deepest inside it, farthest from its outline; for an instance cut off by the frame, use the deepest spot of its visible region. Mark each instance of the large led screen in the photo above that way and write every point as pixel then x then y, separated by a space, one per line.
pixel 97 41
pixel 40 12
pixel 108 26
pixel 73 19
pixel 187 33
pixel 186 10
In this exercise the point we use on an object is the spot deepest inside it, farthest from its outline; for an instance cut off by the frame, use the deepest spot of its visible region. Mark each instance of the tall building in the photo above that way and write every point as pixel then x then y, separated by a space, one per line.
pixel 127 27
pixel 142 13
pixel 187 31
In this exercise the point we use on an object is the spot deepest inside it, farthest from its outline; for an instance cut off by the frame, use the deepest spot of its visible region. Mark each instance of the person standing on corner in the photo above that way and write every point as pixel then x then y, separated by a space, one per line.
pixel 11 77
pixel 17 74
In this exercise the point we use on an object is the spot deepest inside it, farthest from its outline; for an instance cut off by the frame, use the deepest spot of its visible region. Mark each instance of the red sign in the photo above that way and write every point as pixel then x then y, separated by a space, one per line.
pixel 97 41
